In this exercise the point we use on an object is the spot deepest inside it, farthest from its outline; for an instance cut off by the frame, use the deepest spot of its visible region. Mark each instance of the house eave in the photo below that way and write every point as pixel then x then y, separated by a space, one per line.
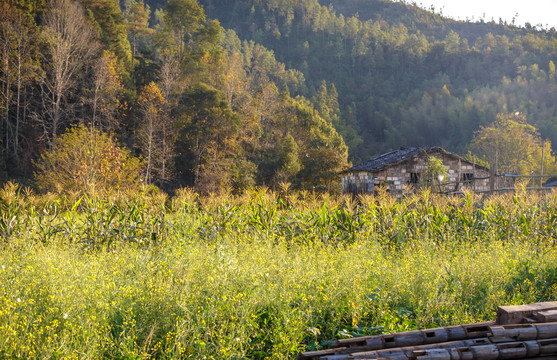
pixel 415 153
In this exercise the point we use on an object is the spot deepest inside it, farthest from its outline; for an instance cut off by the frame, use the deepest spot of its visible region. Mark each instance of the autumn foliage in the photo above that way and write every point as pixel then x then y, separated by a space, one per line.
pixel 512 145
pixel 85 159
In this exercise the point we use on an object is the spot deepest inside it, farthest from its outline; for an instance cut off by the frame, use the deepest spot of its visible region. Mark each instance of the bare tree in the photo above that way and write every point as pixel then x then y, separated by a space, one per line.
pixel 70 42
pixel 26 69
pixel 19 67
pixel 151 103
pixel 170 82
pixel 6 41
pixel 171 85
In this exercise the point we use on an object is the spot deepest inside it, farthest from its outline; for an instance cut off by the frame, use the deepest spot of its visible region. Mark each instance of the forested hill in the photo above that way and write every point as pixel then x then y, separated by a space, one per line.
pixel 404 76
pixel 429 22
pixel 229 94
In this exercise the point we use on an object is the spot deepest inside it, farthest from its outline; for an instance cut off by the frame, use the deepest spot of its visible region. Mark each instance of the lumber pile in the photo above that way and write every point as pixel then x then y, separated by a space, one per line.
pixel 519 332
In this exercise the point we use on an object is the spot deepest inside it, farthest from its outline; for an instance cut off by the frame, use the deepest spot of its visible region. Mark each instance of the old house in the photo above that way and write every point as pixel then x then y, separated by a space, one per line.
pixel 403 169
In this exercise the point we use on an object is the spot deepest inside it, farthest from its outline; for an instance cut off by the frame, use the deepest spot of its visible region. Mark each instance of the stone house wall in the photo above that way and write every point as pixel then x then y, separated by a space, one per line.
pixel 400 178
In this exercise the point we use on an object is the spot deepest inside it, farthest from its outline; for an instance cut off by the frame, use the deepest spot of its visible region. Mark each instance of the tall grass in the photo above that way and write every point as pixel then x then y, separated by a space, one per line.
pixel 261 275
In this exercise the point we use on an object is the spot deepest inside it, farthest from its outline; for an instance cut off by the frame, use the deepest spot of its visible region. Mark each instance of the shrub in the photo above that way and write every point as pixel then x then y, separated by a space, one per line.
pixel 86 160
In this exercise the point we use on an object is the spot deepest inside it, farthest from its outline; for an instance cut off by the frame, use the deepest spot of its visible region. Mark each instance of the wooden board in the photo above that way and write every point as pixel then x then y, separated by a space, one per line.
pixel 519 314
pixel 546 316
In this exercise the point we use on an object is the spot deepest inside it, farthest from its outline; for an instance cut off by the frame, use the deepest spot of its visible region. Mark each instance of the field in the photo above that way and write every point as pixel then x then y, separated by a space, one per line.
pixel 261 275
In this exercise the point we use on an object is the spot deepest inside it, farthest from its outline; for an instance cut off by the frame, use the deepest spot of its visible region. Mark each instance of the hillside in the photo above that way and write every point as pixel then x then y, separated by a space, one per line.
pixel 404 76
pixel 429 22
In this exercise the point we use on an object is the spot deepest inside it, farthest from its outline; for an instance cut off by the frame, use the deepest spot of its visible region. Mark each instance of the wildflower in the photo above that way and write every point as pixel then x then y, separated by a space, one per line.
pixel 3 267
pixel 18 300
pixel 65 315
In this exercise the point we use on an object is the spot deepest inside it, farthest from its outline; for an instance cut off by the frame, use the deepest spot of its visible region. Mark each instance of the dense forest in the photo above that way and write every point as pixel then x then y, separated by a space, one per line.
pixel 405 76
pixel 235 93
pixel 196 105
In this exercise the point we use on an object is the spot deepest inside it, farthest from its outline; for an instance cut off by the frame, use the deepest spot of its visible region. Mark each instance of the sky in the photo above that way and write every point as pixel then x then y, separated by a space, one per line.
pixel 533 11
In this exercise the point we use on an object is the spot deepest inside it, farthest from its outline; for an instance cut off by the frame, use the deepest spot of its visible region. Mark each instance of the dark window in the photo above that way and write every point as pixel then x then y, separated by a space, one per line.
pixel 414 178
pixel 467 176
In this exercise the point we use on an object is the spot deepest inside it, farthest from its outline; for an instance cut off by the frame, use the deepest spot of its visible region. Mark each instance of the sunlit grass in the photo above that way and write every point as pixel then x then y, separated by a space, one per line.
pixel 262 275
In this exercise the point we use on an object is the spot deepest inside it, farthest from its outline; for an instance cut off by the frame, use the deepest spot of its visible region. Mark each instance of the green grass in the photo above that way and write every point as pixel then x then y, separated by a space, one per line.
pixel 263 275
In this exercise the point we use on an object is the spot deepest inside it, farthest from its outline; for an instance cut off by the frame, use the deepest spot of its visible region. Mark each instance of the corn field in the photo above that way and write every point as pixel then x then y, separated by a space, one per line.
pixel 262 275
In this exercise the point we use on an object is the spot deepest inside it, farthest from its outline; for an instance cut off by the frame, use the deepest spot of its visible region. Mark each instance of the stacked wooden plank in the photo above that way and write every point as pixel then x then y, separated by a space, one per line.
pixel 519 332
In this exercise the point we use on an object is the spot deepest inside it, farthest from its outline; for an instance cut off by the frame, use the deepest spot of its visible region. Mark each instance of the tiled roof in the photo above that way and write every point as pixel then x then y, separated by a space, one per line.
pixel 386 160
pixel 398 156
